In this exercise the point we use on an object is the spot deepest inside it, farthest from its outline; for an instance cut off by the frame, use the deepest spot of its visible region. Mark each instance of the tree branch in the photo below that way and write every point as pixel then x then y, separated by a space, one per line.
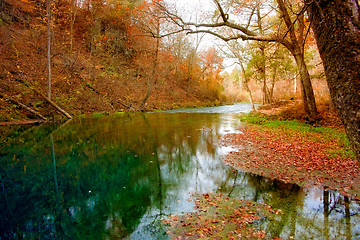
pixel 225 17
pixel 238 36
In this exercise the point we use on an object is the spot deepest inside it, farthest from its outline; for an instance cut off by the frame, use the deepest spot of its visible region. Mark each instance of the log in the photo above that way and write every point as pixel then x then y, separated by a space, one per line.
pixel 23 106
pixel 46 99
pixel 21 122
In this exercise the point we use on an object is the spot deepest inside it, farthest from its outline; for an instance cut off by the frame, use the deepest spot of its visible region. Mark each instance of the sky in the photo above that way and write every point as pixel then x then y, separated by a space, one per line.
pixel 191 7
pixel 190 10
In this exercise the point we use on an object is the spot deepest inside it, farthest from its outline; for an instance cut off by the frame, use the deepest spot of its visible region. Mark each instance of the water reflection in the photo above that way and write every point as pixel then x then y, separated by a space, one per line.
pixel 116 176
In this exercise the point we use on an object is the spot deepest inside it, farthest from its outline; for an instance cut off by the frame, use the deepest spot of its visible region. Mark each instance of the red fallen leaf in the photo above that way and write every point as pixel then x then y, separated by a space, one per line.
pixel 186 224
pixel 298 152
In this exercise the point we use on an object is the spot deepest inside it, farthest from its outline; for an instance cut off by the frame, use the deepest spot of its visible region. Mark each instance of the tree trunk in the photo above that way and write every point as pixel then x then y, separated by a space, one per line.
pixel 296 48
pixel 48 11
pixel 262 47
pixel 59 109
pixel 23 106
pixel 306 87
pixel 245 81
pixel 151 78
pixel 73 11
pixel 336 26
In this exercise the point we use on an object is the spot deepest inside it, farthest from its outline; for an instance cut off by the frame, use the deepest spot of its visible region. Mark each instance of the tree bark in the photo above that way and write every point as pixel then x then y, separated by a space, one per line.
pixel 336 25
pixel 48 11
pixel 307 92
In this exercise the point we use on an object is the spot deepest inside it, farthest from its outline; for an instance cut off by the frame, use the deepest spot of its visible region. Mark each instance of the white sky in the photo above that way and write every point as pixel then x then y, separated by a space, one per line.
pixel 191 10
pixel 192 7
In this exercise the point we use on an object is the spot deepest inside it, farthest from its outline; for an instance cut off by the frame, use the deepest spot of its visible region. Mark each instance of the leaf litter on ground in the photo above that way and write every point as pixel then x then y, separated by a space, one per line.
pixel 292 154
pixel 221 217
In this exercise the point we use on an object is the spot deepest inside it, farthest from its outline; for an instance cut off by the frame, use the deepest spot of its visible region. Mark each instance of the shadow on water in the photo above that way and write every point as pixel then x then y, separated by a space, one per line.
pixel 117 176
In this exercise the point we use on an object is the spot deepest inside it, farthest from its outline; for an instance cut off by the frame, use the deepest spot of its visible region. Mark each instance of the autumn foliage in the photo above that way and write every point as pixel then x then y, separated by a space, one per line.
pixel 102 57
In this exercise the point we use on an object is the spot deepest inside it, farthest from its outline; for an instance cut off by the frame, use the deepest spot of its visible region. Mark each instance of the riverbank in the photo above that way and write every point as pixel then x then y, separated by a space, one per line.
pixel 295 152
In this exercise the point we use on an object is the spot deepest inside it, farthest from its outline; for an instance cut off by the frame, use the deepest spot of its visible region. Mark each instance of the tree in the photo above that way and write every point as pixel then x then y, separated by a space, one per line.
pixel 48 12
pixel 290 33
pixel 152 77
pixel 336 26
pixel 73 12
pixel 237 51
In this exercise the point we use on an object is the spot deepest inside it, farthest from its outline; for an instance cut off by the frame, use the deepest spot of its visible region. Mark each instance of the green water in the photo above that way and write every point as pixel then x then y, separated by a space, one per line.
pixel 116 177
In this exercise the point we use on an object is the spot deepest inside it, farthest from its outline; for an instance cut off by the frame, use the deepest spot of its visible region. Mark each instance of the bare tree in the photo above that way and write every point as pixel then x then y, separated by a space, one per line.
pixel 236 50
pixel 73 12
pixel 291 34
pixel 48 12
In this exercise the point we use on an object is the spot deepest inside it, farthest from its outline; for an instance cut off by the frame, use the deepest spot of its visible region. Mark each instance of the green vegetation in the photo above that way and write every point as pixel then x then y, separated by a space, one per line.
pixel 339 147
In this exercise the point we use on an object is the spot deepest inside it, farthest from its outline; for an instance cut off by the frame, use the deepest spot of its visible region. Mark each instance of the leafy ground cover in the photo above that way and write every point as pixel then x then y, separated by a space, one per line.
pixel 295 152
pixel 220 217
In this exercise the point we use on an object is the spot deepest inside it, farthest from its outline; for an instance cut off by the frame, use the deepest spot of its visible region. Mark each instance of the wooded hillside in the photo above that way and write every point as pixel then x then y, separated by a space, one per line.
pixel 103 59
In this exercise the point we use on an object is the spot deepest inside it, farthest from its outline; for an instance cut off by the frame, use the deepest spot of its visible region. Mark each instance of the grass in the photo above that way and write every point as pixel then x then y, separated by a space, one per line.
pixel 339 147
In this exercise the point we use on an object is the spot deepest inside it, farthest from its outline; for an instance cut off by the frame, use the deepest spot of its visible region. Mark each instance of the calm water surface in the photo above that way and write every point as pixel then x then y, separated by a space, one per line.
pixel 116 177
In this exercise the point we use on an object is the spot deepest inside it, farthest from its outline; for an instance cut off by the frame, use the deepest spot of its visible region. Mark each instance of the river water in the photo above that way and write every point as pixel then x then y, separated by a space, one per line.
pixel 117 176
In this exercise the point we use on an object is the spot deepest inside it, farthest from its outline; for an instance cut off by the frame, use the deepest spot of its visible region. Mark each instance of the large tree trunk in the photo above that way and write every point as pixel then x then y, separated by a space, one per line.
pixel 336 26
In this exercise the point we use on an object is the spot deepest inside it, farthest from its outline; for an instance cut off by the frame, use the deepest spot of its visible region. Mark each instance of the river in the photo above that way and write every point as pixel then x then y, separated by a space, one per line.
pixel 118 176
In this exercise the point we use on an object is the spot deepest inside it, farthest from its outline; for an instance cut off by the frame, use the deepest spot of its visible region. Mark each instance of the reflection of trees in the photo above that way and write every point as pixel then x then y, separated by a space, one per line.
pixel 95 176
pixel 279 195
pixel 347 217
pixel 335 204
pixel 326 214
pixel 101 176
pixel 96 187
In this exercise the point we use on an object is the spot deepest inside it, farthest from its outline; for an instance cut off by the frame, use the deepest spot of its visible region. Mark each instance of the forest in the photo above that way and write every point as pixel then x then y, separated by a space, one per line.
pixel 167 119
pixel 67 58
pixel 102 59
pixel 107 56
